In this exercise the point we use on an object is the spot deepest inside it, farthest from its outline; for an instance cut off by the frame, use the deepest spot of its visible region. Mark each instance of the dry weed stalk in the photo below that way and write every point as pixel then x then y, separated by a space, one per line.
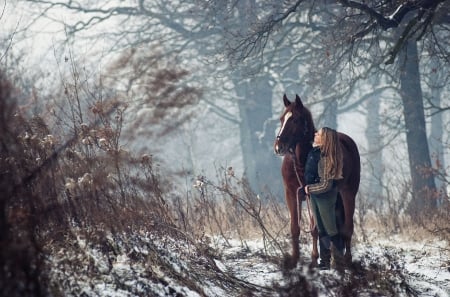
pixel 66 178
pixel 230 209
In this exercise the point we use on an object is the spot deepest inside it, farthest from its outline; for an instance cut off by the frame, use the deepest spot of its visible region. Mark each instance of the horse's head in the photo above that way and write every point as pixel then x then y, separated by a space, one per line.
pixel 296 126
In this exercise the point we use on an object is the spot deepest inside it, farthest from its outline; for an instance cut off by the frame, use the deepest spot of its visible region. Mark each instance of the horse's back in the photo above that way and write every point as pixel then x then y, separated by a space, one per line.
pixel 352 163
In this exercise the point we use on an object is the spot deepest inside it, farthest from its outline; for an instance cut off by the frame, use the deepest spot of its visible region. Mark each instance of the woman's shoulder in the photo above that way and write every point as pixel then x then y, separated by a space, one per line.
pixel 315 151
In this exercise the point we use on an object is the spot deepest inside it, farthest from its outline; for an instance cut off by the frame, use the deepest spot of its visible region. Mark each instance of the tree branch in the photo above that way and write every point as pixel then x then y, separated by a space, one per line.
pixel 256 40
pixel 397 16
pixel 420 7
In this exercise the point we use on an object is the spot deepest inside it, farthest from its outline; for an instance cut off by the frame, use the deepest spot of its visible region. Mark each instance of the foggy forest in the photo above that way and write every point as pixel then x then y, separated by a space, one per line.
pixel 137 145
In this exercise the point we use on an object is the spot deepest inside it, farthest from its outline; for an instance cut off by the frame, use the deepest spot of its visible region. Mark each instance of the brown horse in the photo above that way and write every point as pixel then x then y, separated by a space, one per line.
pixel 294 141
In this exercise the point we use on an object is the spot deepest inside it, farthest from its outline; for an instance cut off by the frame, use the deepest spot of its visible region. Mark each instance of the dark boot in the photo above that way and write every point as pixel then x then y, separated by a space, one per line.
pixel 324 252
pixel 338 243
pixel 338 252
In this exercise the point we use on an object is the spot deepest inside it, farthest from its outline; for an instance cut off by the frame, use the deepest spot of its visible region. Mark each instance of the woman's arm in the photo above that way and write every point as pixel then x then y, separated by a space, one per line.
pixel 324 185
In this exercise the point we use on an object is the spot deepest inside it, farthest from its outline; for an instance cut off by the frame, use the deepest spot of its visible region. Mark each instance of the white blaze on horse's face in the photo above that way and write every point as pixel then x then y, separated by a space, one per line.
pixel 285 119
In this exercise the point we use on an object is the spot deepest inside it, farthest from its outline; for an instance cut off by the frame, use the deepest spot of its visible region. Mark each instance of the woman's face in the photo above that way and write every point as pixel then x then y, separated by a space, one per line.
pixel 318 137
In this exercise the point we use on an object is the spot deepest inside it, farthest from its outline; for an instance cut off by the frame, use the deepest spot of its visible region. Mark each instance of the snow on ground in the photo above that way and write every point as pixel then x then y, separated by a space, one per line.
pixel 425 266
pixel 158 266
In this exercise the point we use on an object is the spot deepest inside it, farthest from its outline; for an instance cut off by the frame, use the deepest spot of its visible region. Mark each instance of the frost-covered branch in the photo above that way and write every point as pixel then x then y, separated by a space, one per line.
pixel 423 10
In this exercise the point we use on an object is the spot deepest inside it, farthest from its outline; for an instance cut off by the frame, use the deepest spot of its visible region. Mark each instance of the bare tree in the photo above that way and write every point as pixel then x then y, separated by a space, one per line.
pixel 358 38
pixel 356 21
pixel 344 39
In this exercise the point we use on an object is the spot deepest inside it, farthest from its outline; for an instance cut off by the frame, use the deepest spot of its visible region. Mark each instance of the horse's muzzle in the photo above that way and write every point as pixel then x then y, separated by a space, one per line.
pixel 280 149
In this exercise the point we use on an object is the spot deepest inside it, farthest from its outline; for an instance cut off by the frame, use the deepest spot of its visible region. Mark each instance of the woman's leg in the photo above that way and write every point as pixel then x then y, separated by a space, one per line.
pixel 324 239
pixel 326 204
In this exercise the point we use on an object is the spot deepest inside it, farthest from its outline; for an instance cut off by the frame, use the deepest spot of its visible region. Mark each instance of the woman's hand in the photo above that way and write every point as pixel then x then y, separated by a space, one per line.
pixel 301 193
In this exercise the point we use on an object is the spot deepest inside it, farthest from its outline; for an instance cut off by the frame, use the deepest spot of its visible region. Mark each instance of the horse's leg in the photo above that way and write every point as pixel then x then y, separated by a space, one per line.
pixel 348 200
pixel 291 201
pixel 315 252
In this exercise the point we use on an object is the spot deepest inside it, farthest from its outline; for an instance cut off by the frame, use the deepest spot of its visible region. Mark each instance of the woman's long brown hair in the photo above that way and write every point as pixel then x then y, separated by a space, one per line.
pixel 331 150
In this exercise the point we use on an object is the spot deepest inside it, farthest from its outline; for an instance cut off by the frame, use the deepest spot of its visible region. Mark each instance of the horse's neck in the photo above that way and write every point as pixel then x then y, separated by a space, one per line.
pixel 303 147
pixel 301 152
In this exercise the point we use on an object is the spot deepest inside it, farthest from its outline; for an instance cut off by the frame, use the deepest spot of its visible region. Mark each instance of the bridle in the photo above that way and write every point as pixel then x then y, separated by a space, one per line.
pixel 304 134
pixel 312 223
pixel 294 158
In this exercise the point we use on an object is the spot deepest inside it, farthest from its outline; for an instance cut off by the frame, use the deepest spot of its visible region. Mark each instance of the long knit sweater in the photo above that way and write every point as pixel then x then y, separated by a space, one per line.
pixel 311 166
pixel 325 184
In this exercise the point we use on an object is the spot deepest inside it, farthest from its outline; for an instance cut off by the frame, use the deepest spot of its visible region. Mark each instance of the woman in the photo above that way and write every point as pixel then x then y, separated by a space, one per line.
pixel 324 195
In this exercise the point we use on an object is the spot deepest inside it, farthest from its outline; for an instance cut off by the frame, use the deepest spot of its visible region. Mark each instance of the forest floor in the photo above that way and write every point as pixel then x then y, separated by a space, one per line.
pixel 155 265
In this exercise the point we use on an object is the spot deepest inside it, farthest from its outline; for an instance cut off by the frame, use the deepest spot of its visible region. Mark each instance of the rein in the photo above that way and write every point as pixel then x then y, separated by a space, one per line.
pixel 312 223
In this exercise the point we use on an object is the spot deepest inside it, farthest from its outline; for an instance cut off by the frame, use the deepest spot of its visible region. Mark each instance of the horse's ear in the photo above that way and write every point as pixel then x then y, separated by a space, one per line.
pixel 298 101
pixel 286 101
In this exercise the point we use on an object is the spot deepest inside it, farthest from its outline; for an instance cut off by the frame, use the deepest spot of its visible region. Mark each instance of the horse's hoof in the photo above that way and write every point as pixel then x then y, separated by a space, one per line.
pixel 289 262
pixel 314 263
pixel 348 259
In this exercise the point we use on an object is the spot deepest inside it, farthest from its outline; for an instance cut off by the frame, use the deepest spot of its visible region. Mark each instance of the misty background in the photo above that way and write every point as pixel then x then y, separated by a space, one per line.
pixel 235 60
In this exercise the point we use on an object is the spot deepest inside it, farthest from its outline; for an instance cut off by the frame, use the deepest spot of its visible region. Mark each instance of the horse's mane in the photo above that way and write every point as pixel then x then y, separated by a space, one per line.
pixel 310 124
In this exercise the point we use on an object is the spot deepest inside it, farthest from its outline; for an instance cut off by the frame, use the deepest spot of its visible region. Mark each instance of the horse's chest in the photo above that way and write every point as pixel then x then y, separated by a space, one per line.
pixel 290 170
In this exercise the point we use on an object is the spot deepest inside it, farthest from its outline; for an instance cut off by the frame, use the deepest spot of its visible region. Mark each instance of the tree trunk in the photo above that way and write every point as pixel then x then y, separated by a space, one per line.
pixel 416 138
pixel 261 166
pixel 375 157
pixel 330 114
pixel 330 107
pixel 437 134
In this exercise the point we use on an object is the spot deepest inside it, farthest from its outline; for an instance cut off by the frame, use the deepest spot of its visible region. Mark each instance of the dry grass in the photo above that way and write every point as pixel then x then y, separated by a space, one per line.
pixel 228 207
pixel 73 179
pixel 68 179
pixel 423 225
